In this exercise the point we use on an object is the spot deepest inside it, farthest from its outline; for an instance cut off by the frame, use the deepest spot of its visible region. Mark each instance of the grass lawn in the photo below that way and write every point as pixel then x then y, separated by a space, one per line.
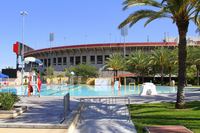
pixel 165 114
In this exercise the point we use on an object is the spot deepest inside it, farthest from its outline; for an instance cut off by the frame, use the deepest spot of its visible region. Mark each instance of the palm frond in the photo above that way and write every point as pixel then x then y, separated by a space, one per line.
pixel 136 16
pixel 131 3
pixel 196 21
pixel 161 14
pixel 115 61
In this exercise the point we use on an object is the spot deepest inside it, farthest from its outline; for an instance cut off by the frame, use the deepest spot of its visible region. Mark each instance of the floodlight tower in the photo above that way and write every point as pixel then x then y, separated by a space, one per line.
pixel 124 33
pixel 23 14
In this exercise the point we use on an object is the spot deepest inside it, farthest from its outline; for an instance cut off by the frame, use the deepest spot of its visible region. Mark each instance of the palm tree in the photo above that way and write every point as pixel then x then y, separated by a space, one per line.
pixel 181 12
pixel 139 63
pixel 159 58
pixel 116 62
pixel 172 60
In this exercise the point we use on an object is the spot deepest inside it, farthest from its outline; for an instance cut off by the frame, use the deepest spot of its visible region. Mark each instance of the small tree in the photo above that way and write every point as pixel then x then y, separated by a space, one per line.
pixel 84 70
pixel 49 72
pixel 67 72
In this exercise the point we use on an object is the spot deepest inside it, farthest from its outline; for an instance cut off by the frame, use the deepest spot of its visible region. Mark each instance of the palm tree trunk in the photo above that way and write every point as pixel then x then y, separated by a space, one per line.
pixel 170 76
pixel 114 75
pixel 138 80
pixel 142 78
pixel 198 74
pixel 182 54
pixel 162 75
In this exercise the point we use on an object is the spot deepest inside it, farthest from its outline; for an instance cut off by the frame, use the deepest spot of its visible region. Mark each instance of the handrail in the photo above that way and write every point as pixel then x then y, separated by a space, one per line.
pixel 110 102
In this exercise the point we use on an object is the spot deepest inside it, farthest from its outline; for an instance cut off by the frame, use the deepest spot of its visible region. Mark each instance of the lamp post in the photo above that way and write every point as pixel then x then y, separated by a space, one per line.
pixel 124 33
pixel 72 80
pixel 23 14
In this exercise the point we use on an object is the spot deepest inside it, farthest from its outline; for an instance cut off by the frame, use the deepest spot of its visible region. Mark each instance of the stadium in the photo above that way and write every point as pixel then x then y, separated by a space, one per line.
pixel 95 54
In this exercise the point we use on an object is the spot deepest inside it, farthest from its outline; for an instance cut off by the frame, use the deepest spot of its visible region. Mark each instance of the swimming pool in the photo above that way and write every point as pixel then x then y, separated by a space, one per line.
pixel 85 90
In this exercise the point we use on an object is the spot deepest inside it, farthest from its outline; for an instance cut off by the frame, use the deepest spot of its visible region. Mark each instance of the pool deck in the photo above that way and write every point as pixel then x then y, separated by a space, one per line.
pixel 95 118
pixel 41 110
pixel 135 99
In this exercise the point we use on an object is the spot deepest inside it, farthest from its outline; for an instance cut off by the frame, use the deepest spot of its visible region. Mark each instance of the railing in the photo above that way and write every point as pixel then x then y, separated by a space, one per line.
pixel 112 106
pixel 66 104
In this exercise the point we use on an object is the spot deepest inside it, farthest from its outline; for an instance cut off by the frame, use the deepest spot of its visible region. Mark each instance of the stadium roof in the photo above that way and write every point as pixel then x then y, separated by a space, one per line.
pixel 104 45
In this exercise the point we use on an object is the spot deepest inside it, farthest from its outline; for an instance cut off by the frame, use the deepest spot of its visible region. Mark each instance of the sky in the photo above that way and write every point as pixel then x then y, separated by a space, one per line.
pixel 72 22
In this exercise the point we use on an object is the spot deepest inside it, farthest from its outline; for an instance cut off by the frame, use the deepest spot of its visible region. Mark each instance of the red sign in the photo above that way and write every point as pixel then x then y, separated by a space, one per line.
pixel 16 48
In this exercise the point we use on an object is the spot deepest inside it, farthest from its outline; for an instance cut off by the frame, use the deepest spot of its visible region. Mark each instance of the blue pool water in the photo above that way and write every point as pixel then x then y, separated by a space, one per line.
pixel 85 90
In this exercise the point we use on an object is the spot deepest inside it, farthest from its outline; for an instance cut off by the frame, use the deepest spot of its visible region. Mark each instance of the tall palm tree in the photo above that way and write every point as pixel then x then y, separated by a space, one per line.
pixel 159 58
pixel 116 62
pixel 138 62
pixel 181 12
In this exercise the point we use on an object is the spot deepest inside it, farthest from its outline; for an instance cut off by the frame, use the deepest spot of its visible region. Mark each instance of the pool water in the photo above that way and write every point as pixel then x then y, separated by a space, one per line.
pixel 85 90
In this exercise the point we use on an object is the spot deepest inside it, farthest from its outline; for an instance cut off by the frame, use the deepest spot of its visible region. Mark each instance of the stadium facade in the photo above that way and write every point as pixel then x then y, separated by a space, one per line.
pixel 95 54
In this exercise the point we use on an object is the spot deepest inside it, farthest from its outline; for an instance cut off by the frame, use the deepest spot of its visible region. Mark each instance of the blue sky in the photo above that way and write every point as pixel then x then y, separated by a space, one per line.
pixel 72 22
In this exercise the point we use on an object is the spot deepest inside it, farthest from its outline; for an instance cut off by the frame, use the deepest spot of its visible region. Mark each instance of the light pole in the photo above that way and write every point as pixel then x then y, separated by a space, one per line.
pixel 23 14
pixel 124 33
pixel 51 39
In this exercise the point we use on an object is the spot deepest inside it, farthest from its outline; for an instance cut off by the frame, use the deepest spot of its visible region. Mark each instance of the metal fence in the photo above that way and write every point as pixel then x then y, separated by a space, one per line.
pixel 105 107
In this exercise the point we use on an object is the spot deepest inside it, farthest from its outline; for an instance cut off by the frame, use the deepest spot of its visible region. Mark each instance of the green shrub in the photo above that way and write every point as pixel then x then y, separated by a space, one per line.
pixel 83 70
pixel 7 100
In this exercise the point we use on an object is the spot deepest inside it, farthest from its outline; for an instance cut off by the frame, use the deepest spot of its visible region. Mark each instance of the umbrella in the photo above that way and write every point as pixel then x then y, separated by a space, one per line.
pixel 32 59
pixel 3 76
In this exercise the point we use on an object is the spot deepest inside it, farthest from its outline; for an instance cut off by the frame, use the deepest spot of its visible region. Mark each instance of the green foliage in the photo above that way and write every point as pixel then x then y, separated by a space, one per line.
pixel 67 72
pixel 138 62
pixel 60 76
pixel 116 62
pixel 193 60
pixel 163 60
pixel 191 73
pixel 179 11
pixel 7 100
pixel 164 114
pixel 84 70
pixel 49 72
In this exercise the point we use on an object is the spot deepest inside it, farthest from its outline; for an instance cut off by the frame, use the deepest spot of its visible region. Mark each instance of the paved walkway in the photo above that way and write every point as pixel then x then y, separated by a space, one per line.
pixel 105 117
pixel 101 118
pixel 45 110
pixel 193 96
